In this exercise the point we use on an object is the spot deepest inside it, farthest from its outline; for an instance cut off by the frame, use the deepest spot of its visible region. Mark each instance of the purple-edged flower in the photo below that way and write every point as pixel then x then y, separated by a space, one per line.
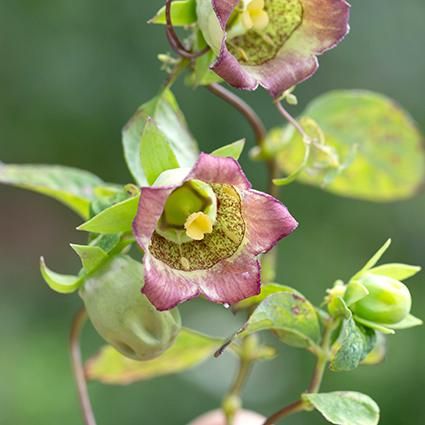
pixel 273 43
pixel 202 234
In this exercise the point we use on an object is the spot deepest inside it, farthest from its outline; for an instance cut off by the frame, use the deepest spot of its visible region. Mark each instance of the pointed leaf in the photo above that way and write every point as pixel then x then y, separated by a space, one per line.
pixel 91 256
pixel 409 322
pixel 183 13
pixel 396 271
pixel 115 219
pixel 266 291
pixel 156 153
pixel 374 259
pixel 290 315
pixel 345 407
pixel 233 150
pixel 353 345
pixel 64 284
pixel 190 349
pixel 385 329
pixel 165 112
pixel 381 157
pixel 73 187
pixel 355 292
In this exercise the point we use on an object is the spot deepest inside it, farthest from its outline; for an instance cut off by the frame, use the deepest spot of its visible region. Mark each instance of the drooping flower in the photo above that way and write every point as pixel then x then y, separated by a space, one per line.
pixel 272 43
pixel 202 234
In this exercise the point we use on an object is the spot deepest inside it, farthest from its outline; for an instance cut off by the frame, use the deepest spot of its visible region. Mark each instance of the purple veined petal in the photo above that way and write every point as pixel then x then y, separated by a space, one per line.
pixel 232 280
pixel 267 221
pixel 223 10
pixel 165 287
pixel 151 206
pixel 212 169
pixel 324 25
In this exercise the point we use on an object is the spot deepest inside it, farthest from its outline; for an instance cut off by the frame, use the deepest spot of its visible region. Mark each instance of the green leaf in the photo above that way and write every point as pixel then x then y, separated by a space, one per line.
pixel 115 219
pixel 183 13
pixel 385 329
pixel 266 291
pixel 156 153
pixel 91 256
pixel 377 355
pixel 290 315
pixel 374 259
pixel 396 271
pixel 165 112
pixel 73 187
pixel 234 150
pixel 379 148
pixel 345 407
pixel 355 292
pixel 353 345
pixel 190 349
pixel 64 284
pixel 409 322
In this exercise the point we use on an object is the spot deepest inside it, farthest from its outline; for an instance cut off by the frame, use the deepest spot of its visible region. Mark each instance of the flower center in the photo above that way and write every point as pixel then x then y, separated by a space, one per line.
pixel 226 235
pixel 189 213
pixel 260 29
pixel 254 16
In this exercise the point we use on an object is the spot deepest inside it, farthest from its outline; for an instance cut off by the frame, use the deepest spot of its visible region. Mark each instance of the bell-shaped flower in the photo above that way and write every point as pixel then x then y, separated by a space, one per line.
pixel 202 231
pixel 272 43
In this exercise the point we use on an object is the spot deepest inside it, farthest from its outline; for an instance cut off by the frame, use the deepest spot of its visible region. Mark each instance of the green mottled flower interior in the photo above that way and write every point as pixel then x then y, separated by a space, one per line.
pixel 257 47
pixel 225 239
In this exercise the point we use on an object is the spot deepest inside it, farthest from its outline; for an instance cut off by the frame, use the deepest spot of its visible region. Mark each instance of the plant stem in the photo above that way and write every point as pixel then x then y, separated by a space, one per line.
pixel 251 116
pixel 316 380
pixel 292 121
pixel 231 402
pixel 78 368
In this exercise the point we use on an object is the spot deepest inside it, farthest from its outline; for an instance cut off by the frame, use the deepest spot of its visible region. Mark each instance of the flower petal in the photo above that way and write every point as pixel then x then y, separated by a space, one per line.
pixel 151 205
pixel 324 25
pixel 232 280
pixel 212 169
pixel 165 287
pixel 267 221
pixel 223 10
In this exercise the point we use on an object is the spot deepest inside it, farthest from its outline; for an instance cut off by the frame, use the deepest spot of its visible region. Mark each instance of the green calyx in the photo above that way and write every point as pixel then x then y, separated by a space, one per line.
pixel 123 316
pixel 388 301
pixel 192 197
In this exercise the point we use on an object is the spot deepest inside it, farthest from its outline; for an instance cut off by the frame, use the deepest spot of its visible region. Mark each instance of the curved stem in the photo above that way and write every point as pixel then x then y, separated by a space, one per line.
pixel 292 121
pixel 246 110
pixel 78 368
pixel 173 38
pixel 295 407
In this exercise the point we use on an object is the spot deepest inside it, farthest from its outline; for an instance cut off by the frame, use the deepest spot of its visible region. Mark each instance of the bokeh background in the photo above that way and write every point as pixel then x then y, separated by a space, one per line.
pixel 71 74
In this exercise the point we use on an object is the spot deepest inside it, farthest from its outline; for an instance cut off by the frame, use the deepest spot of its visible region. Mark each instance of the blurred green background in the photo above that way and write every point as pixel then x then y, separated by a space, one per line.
pixel 71 74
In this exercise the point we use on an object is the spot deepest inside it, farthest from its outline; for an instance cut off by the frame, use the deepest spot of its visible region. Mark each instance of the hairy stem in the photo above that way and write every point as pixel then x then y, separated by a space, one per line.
pixel 78 368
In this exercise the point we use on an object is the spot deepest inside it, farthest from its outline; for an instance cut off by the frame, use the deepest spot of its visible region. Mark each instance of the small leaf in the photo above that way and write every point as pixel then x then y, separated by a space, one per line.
pixel 290 315
pixel 74 188
pixel 233 150
pixel 375 257
pixel 190 349
pixel 183 13
pixel 381 157
pixel 352 346
pixel 115 219
pixel 345 407
pixel 409 322
pixel 165 112
pixel 156 154
pixel 377 355
pixel 91 256
pixel 266 291
pixel 64 284
pixel 396 271
pixel 355 292
pixel 385 329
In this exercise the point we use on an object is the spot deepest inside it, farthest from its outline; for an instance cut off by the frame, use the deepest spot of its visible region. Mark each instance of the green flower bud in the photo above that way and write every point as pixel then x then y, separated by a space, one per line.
pixel 388 301
pixel 123 316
